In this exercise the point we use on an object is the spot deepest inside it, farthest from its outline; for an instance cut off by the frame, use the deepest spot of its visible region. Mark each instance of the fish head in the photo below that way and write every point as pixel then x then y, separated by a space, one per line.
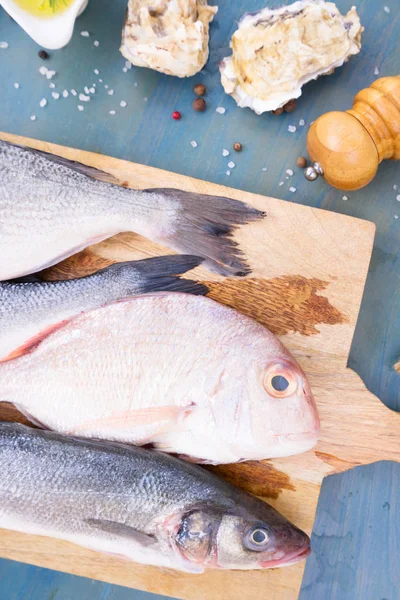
pixel 239 539
pixel 283 415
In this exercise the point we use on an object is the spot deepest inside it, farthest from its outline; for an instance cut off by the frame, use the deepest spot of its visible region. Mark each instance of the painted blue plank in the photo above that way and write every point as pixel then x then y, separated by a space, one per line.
pixel 356 537
pixel 25 582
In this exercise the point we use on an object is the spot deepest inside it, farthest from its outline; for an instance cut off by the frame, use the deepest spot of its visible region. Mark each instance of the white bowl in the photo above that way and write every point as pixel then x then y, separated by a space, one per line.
pixel 50 32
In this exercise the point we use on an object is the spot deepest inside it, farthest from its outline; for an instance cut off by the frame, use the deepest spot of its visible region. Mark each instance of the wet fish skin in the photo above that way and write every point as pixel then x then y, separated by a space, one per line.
pixel 28 308
pixel 50 208
pixel 181 372
pixel 137 503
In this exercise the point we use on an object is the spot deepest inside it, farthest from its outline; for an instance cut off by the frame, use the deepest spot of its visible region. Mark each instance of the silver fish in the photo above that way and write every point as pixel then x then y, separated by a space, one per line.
pixel 50 208
pixel 29 309
pixel 140 504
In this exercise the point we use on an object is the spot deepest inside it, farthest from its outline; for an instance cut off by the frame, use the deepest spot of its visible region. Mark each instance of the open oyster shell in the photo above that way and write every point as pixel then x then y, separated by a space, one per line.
pixel 170 36
pixel 275 52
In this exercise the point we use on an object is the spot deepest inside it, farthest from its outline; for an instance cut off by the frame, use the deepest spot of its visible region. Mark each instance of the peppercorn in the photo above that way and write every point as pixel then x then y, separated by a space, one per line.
pixel 43 54
pixel 176 115
pixel 301 162
pixel 199 89
pixel 278 111
pixel 199 104
pixel 237 146
pixel 290 106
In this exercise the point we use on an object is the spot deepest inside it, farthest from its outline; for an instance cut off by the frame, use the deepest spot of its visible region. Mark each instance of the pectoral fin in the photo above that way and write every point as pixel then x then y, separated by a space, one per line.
pixel 33 342
pixel 159 418
pixel 122 530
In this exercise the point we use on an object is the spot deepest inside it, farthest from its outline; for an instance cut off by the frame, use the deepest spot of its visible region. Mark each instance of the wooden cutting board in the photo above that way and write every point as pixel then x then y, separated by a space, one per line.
pixel 308 272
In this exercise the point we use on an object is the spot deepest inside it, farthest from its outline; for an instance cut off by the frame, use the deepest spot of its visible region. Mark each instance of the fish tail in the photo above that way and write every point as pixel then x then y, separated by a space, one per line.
pixel 159 274
pixel 205 226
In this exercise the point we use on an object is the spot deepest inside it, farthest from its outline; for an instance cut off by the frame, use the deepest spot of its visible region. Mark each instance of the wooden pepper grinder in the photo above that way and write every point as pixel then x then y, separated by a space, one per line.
pixel 347 147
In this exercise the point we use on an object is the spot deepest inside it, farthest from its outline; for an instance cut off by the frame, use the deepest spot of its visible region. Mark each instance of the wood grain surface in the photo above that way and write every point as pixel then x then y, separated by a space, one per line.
pixel 308 272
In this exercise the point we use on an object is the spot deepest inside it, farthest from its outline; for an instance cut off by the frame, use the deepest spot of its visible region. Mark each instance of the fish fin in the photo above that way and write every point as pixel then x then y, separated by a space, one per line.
pixel 30 345
pixel 122 530
pixel 91 172
pixel 205 227
pixel 160 273
pixel 161 417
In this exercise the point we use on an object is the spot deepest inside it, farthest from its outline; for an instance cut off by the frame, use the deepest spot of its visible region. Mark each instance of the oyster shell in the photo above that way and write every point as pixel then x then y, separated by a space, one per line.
pixel 170 36
pixel 275 52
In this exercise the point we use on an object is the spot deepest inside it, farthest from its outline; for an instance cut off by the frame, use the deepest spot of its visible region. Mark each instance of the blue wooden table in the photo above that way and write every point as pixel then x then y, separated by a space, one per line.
pixel 144 132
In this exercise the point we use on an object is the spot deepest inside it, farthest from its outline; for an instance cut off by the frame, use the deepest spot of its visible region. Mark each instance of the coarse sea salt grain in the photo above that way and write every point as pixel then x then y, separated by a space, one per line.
pixel 125 70
pixel 396 216
pixel 84 98
pixel 225 152
pixel 395 186
pixel 106 87
pixel 74 92
pixel 92 90
pixel 3 45
pixel 96 43
pixel 85 34
pixel 113 112
pixel 264 168
pixel 220 110
pixel 96 72
pixel 228 173
pixel 43 103
pixel 55 95
pixel 80 107
pixel 110 92
pixel 376 72
pixel 398 197
pixel 86 89
pixel 289 172
pixel 193 144
pixel 128 64
pixel 386 9
pixel 50 74
pixel 52 85
pixel 292 128
pixel 344 198
pixel 100 81
pixel 302 122
pixel 43 70
pixel 33 117
pixel 65 94
pixel 281 183
pixel 16 85
pixel 231 164
pixel 123 104
pixel 292 189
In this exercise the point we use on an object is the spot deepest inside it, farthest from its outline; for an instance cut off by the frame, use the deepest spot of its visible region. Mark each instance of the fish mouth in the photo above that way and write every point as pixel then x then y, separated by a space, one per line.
pixel 290 559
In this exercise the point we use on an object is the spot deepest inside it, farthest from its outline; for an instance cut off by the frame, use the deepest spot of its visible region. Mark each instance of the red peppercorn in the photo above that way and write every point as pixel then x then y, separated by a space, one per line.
pixel 176 115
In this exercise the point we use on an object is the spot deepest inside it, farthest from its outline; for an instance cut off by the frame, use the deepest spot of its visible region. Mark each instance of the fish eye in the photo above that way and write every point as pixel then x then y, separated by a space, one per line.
pixel 280 382
pixel 256 539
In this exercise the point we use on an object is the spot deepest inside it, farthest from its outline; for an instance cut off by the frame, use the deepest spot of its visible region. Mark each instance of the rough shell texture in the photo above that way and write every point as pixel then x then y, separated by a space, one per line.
pixel 170 36
pixel 275 52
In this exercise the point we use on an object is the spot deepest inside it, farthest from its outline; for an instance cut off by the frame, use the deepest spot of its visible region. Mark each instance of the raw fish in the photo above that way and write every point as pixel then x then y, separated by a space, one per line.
pixel 139 504
pixel 30 307
pixel 181 372
pixel 50 208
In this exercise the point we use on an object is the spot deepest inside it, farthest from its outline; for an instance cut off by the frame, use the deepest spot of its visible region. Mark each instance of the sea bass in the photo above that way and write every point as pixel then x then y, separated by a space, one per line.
pixel 181 372
pixel 50 208
pixel 139 504
pixel 30 308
